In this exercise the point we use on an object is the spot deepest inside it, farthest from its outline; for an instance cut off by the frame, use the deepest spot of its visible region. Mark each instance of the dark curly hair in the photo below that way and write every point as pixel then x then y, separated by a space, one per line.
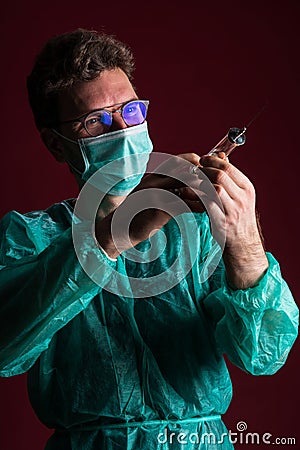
pixel 80 55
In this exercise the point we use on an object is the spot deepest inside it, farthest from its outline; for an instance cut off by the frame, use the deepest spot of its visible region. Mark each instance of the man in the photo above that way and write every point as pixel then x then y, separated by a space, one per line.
pixel 109 370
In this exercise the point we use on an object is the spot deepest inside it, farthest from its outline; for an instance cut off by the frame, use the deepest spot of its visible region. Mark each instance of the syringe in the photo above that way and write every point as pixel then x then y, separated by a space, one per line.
pixel 234 138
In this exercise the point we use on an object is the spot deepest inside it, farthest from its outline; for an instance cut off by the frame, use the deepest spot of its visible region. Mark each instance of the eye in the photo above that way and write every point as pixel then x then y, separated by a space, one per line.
pixel 131 109
pixel 97 122
pixel 93 120
pixel 134 113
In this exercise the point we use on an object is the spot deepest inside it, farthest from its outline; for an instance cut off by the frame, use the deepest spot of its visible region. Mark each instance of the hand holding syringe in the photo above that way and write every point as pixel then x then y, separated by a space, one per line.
pixel 234 138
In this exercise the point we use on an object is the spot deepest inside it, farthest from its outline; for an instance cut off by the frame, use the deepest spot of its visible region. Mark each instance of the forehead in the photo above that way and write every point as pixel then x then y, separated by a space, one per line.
pixel 109 88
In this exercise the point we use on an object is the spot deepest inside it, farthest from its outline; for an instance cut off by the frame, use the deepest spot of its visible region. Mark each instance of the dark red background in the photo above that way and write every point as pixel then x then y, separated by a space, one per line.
pixel 204 67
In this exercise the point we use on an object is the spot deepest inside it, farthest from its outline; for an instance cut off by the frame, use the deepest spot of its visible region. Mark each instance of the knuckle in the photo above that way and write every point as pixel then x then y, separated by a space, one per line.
pixel 219 189
pixel 250 191
pixel 220 176
pixel 195 156
pixel 191 157
pixel 227 167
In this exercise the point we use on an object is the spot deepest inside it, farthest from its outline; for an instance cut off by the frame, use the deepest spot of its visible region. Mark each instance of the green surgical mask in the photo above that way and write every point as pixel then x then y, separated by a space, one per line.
pixel 121 155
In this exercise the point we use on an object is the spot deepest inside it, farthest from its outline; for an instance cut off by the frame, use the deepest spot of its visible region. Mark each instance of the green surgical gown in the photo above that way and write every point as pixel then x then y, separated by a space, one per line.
pixel 112 372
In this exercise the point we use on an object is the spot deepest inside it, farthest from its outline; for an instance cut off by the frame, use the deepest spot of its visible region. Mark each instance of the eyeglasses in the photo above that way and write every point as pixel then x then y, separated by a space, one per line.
pixel 99 121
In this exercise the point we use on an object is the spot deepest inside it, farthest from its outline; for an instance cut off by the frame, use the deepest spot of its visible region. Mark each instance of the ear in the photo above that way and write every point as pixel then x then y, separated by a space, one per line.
pixel 53 144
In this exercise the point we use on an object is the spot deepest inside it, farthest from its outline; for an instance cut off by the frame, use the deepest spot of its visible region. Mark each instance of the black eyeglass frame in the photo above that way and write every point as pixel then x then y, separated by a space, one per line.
pixel 82 119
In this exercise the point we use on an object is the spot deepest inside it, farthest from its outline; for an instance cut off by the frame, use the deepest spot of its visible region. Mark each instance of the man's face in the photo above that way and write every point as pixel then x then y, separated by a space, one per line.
pixel 110 88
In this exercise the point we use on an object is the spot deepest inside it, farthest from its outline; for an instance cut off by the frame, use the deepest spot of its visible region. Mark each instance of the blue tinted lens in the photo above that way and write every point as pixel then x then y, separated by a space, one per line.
pixel 106 118
pixel 98 122
pixel 134 113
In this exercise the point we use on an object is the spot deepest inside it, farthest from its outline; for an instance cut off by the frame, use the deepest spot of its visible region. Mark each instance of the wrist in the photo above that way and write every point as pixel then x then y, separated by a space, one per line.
pixel 104 237
pixel 245 263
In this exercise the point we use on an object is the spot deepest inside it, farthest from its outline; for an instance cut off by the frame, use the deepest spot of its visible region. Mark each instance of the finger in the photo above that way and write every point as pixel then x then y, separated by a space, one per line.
pixel 197 207
pixel 177 164
pixel 226 201
pixel 179 175
pixel 218 163
pixel 193 158
pixel 210 203
pixel 159 182
pixel 223 155
pixel 175 205
pixel 187 193
pixel 221 178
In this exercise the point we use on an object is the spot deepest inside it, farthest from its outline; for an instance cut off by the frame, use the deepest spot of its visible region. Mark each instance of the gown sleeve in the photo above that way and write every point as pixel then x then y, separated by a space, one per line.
pixel 42 285
pixel 254 327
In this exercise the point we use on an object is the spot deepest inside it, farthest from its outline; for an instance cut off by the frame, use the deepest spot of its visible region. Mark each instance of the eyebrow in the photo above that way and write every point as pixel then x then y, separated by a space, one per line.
pixel 78 119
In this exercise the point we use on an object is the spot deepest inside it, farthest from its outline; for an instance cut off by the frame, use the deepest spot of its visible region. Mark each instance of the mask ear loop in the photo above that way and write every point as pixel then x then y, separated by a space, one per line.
pixel 64 137
pixel 74 169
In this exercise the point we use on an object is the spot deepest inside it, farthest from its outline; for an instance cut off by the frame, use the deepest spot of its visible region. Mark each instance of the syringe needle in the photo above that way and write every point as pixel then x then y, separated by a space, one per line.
pixel 257 115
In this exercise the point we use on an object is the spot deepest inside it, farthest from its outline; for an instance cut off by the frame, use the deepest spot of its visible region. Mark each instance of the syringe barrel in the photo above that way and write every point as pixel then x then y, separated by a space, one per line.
pixel 234 138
